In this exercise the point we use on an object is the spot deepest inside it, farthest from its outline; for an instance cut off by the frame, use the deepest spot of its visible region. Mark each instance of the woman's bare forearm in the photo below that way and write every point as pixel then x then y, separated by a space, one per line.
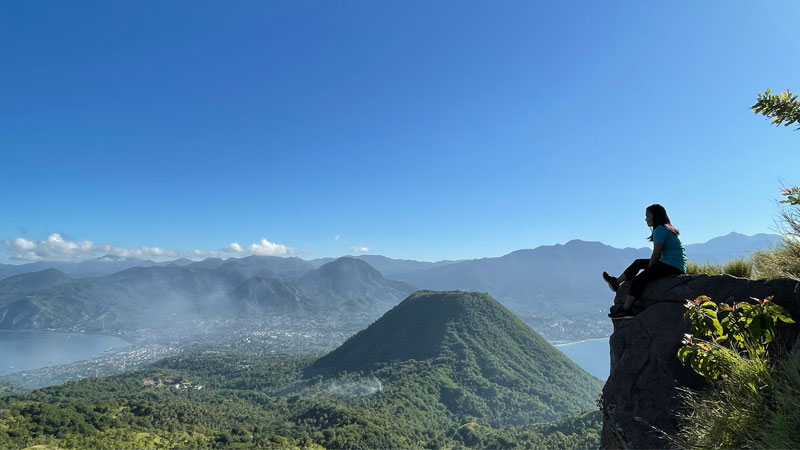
pixel 656 256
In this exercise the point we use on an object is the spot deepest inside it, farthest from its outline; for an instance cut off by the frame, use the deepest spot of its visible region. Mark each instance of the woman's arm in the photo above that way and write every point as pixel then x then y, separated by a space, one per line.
pixel 657 246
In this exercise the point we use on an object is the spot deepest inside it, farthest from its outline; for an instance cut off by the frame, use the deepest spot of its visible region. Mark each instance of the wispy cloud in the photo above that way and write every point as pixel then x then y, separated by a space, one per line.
pixel 337 237
pixel 359 249
pixel 58 247
pixel 141 252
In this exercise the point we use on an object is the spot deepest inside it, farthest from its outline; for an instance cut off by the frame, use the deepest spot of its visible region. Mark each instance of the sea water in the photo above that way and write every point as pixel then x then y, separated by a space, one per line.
pixel 27 350
pixel 592 355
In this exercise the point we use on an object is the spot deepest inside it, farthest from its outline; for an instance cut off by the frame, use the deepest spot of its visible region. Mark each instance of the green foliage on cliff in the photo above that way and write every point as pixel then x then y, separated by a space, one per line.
pixel 728 348
pixel 722 334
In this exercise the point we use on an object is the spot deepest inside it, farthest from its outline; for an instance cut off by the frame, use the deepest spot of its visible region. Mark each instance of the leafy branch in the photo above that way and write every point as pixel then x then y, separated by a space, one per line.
pixel 783 108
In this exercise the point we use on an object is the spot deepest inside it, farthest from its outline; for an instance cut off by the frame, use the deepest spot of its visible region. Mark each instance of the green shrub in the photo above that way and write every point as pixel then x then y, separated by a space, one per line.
pixel 693 268
pixel 738 268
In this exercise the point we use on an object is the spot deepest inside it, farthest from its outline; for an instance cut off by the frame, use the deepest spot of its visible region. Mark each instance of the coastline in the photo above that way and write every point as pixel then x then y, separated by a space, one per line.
pixel 19 363
pixel 563 343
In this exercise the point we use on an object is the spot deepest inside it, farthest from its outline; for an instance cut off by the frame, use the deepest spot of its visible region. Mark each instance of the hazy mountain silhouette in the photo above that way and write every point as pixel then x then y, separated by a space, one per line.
pixel 564 278
pixel 353 283
pixel 96 267
pixel 560 278
pixel 166 295
pixel 390 267
pixel 32 281
pixel 272 296
pixel 255 265
pixel 731 246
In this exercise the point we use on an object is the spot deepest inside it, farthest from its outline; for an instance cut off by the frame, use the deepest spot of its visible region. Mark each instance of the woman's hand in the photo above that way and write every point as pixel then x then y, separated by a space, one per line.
pixel 656 257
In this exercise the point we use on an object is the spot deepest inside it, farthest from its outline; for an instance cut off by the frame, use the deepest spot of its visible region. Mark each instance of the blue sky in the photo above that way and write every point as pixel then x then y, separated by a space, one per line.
pixel 422 130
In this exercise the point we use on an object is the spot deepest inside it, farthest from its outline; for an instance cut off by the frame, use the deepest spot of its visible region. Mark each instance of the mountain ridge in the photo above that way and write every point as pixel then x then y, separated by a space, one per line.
pixel 108 264
pixel 559 280
pixel 164 295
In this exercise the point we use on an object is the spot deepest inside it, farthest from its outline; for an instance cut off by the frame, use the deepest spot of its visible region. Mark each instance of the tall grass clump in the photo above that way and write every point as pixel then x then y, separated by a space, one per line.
pixel 784 261
pixel 741 268
pixel 781 426
pixel 738 268
pixel 728 415
pixel 754 407
pixel 694 268
pixel 780 262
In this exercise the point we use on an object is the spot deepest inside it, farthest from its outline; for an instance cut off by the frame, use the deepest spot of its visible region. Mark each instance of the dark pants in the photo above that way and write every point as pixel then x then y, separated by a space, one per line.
pixel 638 282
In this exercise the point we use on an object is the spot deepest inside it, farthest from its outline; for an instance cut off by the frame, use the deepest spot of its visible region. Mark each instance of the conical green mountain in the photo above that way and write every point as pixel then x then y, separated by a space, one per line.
pixel 489 363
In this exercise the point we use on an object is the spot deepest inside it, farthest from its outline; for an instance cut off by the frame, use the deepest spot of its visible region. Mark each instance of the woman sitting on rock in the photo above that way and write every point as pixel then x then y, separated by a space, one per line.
pixel 668 258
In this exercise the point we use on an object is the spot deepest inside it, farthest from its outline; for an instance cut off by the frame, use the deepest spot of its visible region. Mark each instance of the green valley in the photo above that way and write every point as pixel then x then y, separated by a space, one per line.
pixel 465 373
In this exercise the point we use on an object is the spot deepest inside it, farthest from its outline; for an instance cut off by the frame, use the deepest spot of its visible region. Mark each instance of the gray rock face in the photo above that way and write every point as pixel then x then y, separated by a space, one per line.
pixel 641 394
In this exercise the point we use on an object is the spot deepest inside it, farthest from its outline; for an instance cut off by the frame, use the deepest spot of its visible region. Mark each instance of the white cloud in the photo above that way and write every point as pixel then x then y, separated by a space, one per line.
pixel 233 247
pixel 337 237
pixel 24 244
pixel 360 249
pixel 56 247
pixel 52 248
pixel 267 248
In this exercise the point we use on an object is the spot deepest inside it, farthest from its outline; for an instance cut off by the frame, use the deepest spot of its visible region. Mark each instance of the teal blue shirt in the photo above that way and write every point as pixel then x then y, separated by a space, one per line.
pixel 672 252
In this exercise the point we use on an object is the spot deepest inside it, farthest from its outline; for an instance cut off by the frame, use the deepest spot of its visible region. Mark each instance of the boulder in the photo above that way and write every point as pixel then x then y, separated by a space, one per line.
pixel 641 395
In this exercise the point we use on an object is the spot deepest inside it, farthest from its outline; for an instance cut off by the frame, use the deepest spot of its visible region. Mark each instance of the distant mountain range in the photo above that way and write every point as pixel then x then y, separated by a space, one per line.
pixel 115 292
pixel 717 250
pixel 153 296
pixel 731 246
pixel 391 267
pixel 565 278
pixel 103 265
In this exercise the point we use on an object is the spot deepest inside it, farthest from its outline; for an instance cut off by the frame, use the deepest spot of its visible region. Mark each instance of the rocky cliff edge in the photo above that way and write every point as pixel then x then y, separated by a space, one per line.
pixel 640 396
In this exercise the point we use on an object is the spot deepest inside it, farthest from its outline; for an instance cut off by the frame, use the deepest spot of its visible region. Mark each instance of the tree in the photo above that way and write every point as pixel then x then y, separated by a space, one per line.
pixel 783 108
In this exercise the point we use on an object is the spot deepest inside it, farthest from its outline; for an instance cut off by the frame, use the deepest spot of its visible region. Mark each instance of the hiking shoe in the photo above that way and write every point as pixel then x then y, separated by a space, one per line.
pixel 612 282
pixel 620 313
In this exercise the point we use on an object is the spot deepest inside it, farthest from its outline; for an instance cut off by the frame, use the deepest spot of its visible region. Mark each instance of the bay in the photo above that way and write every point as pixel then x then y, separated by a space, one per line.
pixel 27 350
pixel 592 355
